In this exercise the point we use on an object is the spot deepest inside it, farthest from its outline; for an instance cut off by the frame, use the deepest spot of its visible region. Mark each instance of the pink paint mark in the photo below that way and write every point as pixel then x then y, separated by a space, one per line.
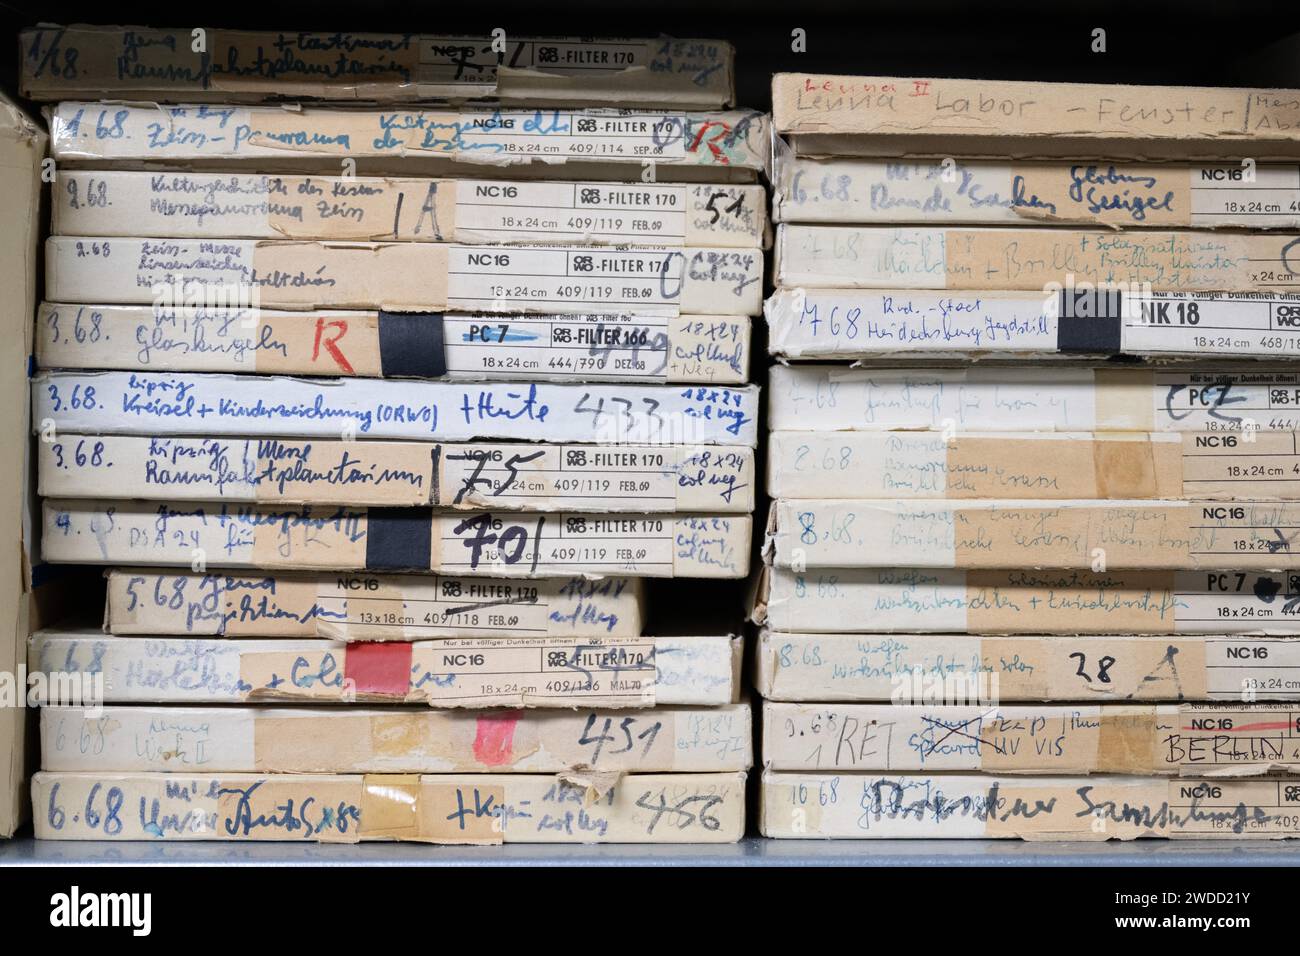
pixel 494 743
pixel 379 668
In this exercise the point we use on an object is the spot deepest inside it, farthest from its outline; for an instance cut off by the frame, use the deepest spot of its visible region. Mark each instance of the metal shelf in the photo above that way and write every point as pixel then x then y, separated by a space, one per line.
pixel 751 852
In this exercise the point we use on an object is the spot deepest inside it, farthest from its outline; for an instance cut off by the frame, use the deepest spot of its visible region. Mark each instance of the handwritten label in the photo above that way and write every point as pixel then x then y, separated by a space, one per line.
pixel 721 139
pixel 917 258
pixel 368 607
pixel 474 476
pixel 223 405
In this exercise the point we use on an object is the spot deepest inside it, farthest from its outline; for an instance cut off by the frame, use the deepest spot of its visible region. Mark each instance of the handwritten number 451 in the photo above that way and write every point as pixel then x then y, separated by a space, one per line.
pixel 604 736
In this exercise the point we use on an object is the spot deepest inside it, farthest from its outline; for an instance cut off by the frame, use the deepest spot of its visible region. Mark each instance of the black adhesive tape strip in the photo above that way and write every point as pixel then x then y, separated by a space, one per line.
pixel 412 345
pixel 398 539
pixel 1090 320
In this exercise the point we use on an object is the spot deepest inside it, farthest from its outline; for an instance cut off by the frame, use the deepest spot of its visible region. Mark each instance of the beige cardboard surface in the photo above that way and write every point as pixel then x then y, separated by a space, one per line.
pixel 914 257
pixel 867 806
pixel 1215 401
pixel 1028 601
pixel 401 276
pixel 959 668
pixel 368 607
pixel 444 808
pixel 61 62
pixel 1133 535
pixel 290 740
pixel 631 672
pixel 903 465
pixel 343 538
pixel 893 116
pixel 1119 194
pixel 468 477
pixel 628 347
pixel 1229 740
pixel 569 143
pixel 108 202
pixel 22 145
pixel 1061 324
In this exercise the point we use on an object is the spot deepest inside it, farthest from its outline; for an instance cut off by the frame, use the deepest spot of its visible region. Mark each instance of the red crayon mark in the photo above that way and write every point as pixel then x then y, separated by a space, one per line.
pixel 331 343
pixel 379 668
pixel 920 88
pixel 724 130
pixel 495 740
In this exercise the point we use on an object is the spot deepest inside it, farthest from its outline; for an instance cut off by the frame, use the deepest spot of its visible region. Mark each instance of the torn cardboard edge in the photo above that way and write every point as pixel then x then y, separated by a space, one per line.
pixel 22 149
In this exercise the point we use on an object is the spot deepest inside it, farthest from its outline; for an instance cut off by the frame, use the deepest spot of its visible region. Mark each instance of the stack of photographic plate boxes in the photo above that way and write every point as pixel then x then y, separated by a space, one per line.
pixel 378 372
pixel 1031 569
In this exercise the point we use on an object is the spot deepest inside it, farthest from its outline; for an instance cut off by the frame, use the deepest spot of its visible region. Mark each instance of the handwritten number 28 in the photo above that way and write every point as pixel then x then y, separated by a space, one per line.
pixel 1103 667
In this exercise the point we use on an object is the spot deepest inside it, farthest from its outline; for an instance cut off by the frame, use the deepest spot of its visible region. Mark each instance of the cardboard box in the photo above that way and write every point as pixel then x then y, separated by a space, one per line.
pixel 948 806
pixel 1029 602
pixel 1135 535
pixel 627 347
pixel 961 668
pixel 22 147
pixel 410 276
pixel 923 465
pixel 146 403
pixel 102 202
pixel 368 607
pixel 356 740
pixel 476 672
pixel 469 477
pixel 1222 400
pixel 343 538
pixel 119 61
pixel 1218 740
pixel 852 323
pixel 443 808
pixel 1127 195
pixel 891 116
pixel 553 143
pixel 1080 261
